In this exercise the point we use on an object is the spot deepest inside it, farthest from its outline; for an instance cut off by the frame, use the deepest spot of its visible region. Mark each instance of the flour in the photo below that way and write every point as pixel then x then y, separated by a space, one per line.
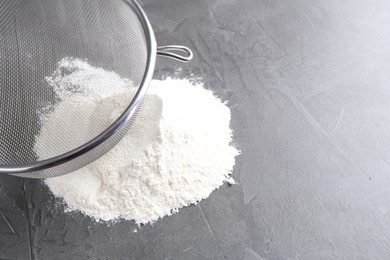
pixel 86 101
pixel 177 152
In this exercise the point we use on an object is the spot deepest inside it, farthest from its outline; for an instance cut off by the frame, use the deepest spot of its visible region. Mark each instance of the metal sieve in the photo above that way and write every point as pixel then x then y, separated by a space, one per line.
pixel 34 36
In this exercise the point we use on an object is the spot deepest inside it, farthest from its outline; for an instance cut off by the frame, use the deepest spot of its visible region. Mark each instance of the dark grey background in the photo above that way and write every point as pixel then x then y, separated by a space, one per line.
pixel 308 83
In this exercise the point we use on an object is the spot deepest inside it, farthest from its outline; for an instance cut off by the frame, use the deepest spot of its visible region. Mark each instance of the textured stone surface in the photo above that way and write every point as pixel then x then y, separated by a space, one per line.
pixel 308 84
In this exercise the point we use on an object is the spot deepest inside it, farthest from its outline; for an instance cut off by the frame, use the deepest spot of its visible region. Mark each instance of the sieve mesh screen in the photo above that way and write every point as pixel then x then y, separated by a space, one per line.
pixel 34 36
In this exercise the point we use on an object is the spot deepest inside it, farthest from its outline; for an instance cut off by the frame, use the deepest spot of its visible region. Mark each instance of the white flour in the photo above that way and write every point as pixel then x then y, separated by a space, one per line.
pixel 176 153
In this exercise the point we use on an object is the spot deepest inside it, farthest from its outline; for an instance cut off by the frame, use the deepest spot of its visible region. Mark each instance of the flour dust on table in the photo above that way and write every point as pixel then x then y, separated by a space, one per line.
pixel 176 153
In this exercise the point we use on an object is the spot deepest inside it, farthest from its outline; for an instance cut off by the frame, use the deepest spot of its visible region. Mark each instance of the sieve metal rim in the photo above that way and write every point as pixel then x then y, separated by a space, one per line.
pixel 121 121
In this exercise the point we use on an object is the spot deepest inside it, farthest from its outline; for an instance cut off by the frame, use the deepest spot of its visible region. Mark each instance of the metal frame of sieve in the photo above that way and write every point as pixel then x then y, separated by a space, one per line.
pixel 90 151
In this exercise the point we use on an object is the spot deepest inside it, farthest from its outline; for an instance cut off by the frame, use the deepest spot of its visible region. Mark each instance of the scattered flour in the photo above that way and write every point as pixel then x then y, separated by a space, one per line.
pixel 176 153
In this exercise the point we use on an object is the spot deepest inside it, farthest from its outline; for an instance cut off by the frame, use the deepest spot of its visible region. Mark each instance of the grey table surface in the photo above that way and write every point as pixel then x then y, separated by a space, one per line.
pixel 308 84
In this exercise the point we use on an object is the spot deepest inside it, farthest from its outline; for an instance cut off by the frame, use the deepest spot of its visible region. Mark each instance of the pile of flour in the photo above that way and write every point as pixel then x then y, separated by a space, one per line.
pixel 177 152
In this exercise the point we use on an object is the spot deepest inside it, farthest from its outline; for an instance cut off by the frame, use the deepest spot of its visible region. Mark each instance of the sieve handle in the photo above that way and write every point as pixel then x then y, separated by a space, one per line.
pixel 173 52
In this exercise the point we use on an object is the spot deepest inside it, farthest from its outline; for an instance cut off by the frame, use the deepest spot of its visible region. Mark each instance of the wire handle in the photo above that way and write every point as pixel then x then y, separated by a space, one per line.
pixel 170 51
